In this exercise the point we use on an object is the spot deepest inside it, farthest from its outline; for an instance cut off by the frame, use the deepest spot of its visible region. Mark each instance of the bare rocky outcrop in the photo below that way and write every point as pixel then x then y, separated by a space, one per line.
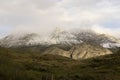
pixel 57 51
pixel 85 51
pixel 81 51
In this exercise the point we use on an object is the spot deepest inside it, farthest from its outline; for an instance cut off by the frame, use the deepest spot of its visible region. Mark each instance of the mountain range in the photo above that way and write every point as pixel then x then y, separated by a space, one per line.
pixel 81 44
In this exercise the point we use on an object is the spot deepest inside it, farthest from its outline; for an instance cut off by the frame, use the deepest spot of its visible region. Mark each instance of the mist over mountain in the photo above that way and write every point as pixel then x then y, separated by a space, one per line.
pixel 73 44
pixel 59 39
pixel 59 36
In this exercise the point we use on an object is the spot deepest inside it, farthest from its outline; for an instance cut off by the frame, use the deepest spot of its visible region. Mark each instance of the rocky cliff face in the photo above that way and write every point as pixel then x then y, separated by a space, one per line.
pixel 57 51
pixel 82 51
pixel 85 51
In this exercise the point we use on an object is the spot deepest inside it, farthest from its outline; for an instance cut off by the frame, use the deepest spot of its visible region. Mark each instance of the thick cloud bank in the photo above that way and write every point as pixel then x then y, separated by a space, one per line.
pixel 42 16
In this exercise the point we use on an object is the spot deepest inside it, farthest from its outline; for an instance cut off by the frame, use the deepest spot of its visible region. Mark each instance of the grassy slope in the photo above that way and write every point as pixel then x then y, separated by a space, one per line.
pixel 34 66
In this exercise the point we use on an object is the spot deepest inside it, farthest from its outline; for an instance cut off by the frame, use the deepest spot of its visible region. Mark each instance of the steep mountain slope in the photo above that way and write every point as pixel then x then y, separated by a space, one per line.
pixel 75 45
pixel 89 36
pixel 81 51
pixel 57 51
pixel 61 37
pixel 15 40
pixel 64 37
pixel 86 50
pixel 27 39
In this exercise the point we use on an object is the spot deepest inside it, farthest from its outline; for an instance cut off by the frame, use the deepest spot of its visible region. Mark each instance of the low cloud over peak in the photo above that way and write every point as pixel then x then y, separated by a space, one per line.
pixel 42 16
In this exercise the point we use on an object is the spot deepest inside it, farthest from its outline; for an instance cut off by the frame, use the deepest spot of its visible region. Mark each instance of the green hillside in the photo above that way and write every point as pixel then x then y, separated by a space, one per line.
pixel 15 65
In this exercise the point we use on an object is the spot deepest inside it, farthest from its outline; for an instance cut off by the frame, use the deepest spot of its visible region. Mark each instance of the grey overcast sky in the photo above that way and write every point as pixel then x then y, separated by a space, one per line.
pixel 44 15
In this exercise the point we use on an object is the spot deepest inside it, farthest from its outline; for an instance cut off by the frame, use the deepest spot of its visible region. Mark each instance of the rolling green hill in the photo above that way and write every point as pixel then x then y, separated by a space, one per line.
pixel 15 65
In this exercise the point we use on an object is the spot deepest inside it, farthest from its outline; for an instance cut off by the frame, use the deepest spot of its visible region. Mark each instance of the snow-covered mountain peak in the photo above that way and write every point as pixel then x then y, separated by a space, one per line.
pixel 19 40
pixel 59 36
pixel 63 37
